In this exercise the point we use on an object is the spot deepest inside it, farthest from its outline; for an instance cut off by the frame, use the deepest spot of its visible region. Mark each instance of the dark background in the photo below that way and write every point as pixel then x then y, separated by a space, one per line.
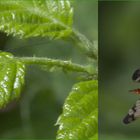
pixel 119 57
pixel 44 93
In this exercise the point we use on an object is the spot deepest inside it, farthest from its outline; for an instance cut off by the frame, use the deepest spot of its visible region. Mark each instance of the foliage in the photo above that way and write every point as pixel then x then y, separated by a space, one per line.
pixel 11 78
pixel 53 19
pixel 80 113
pixel 29 18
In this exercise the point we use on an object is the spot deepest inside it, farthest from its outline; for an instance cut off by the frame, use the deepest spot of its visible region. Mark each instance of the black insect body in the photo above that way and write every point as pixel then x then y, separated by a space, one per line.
pixel 136 76
pixel 134 112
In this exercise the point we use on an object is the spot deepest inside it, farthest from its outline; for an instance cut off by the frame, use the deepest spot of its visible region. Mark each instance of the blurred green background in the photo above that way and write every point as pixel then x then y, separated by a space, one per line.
pixel 119 45
pixel 44 93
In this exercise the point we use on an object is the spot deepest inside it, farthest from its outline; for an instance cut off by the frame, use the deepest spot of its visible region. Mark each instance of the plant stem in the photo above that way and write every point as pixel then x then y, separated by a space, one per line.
pixel 66 65
pixel 84 44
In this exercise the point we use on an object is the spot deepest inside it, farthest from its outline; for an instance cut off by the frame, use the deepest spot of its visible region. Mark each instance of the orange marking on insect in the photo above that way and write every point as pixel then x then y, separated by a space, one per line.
pixel 136 91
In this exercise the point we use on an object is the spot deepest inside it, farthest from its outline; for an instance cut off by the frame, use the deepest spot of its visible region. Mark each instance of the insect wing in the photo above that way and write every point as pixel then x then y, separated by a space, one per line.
pixel 133 113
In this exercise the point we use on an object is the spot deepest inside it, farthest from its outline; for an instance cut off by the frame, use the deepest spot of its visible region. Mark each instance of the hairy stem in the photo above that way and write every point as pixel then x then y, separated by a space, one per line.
pixel 84 44
pixel 66 65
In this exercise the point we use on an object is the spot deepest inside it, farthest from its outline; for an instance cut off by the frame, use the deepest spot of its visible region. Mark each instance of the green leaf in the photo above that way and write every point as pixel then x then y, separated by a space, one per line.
pixel 79 120
pixel 30 18
pixel 11 78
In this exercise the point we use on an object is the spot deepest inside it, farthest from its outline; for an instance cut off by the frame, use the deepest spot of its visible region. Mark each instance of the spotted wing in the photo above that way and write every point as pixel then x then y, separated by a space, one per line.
pixel 133 113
